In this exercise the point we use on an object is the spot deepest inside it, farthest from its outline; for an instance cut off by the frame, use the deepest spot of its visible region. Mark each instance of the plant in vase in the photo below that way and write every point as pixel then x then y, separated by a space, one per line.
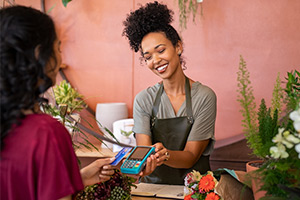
pixel 271 133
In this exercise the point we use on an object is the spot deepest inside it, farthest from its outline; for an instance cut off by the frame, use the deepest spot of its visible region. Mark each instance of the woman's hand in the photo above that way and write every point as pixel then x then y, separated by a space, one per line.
pixel 150 166
pixel 161 154
pixel 97 171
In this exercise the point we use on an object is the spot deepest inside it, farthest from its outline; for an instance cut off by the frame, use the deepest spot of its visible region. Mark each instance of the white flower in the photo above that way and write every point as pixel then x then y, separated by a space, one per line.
pixel 278 137
pixel 297 148
pixel 295 116
pixel 292 138
pixel 284 137
pixel 278 151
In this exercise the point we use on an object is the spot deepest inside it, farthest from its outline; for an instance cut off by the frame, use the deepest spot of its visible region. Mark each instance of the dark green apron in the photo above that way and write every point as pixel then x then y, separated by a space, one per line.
pixel 173 134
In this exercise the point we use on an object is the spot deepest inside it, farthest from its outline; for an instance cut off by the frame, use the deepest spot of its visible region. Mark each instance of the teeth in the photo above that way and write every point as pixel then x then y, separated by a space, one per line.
pixel 162 67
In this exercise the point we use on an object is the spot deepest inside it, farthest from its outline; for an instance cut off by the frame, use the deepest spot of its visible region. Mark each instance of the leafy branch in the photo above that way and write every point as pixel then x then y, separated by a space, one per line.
pixel 247 102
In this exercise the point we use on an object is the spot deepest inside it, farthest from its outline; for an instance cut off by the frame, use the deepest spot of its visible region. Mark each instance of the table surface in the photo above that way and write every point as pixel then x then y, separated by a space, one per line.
pixel 103 152
pixel 145 198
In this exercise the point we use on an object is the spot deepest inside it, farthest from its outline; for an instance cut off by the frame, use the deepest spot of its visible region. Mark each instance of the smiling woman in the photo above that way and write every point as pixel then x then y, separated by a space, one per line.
pixel 177 115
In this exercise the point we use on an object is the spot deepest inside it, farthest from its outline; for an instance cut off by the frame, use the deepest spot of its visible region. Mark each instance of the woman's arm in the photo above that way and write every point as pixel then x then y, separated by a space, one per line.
pixel 177 159
pixel 181 159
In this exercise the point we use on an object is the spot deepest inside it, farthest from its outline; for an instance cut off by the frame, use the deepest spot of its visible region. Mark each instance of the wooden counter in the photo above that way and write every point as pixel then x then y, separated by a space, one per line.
pixel 87 156
pixel 145 198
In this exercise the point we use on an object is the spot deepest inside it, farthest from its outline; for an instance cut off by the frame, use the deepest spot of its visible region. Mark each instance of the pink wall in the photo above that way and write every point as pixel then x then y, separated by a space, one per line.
pixel 103 68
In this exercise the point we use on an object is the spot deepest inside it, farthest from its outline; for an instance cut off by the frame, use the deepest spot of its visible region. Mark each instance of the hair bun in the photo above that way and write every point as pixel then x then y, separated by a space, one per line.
pixel 149 18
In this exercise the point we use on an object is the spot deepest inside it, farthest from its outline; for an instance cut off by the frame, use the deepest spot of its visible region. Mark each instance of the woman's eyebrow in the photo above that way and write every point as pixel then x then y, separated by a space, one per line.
pixel 154 48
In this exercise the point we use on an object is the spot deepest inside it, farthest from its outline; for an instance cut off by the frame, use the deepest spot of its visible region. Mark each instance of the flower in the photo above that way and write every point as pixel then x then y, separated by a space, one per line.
pixel 273 135
pixel 278 151
pixel 212 196
pixel 206 183
pixel 295 116
pixel 297 148
pixel 188 197
pixel 199 186
pixel 282 163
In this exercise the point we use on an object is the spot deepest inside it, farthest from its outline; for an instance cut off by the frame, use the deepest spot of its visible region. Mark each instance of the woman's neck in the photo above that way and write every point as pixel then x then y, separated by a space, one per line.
pixel 36 109
pixel 175 86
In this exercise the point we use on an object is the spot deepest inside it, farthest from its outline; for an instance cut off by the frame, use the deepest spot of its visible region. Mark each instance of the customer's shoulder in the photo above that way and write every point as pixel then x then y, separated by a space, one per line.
pixel 43 121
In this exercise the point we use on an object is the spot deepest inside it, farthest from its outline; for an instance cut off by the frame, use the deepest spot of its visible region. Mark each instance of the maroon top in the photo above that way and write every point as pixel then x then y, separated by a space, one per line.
pixel 38 161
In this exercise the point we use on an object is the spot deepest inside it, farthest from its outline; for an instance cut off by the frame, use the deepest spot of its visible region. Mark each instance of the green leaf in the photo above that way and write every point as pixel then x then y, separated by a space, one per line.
pixel 65 2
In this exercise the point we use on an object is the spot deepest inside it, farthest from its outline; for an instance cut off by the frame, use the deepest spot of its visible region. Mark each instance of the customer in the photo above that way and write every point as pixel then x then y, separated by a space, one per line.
pixel 177 115
pixel 37 158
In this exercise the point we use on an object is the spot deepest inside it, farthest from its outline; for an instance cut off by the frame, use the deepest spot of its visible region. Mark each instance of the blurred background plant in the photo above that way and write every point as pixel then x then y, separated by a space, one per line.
pixel 126 133
pixel 66 101
pixel 271 133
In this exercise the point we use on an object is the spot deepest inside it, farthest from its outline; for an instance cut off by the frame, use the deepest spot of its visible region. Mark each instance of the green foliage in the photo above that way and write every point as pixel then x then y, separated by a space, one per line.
pixel 65 94
pixel 277 96
pixel 126 133
pixel 268 128
pixel 273 140
pixel 292 90
pixel 185 8
pixel 69 102
pixel 65 2
pixel 281 172
pixel 248 105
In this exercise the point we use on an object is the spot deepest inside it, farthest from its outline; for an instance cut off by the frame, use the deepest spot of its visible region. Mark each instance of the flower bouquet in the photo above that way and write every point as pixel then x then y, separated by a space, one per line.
pixel 200 187
pixel 118 187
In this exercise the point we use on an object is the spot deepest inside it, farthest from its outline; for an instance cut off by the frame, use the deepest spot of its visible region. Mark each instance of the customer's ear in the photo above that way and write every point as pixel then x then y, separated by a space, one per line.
pixel 37 51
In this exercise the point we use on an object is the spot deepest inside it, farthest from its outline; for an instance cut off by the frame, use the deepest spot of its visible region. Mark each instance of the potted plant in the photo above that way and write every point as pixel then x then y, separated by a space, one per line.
pixel 271 135
pixel 67 101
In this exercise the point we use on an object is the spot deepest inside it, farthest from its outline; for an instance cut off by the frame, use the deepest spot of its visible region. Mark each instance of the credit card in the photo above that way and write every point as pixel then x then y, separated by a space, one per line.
pixel 120 155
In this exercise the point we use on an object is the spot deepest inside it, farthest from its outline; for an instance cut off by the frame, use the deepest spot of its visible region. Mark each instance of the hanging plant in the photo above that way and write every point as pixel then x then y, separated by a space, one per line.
pixel 186 7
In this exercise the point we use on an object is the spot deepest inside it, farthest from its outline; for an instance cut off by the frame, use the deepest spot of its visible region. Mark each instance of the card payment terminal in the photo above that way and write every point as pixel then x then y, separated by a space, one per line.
pixel 137 159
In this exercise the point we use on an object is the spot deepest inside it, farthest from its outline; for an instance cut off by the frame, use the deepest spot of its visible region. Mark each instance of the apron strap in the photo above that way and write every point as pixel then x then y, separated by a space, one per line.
pixel 188 101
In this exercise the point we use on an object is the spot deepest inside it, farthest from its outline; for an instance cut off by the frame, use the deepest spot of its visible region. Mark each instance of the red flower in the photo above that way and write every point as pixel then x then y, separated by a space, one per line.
pixel 206 183
pixel 188 197
pixel 212 196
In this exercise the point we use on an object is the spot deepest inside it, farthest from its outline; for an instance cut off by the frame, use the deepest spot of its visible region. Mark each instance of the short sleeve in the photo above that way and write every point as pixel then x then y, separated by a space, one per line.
pixel 141 113
pixel 56 164
pixel 204 110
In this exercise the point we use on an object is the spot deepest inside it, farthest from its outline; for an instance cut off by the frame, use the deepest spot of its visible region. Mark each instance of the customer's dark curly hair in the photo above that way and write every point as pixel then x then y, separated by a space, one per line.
pixel 153 17
pixel 23 30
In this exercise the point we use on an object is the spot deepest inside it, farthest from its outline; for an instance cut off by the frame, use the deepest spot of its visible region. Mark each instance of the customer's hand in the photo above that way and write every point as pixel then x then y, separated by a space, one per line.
pixel 97 171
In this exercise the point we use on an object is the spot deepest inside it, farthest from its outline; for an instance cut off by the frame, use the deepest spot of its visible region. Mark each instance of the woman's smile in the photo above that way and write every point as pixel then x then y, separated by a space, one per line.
pixel 162 68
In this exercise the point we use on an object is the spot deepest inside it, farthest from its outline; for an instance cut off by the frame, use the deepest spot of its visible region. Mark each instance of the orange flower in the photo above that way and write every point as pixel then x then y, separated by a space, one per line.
pixel 206 183
pixel 212 196
pixel 188 197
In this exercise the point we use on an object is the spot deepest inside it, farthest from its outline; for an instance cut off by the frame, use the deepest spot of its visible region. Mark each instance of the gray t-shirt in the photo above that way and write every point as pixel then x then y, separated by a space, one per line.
pixel 204 103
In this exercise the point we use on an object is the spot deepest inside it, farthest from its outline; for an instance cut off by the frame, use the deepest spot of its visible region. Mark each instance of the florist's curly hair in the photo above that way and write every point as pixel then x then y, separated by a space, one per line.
pixel 23 75
pixel 153 17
